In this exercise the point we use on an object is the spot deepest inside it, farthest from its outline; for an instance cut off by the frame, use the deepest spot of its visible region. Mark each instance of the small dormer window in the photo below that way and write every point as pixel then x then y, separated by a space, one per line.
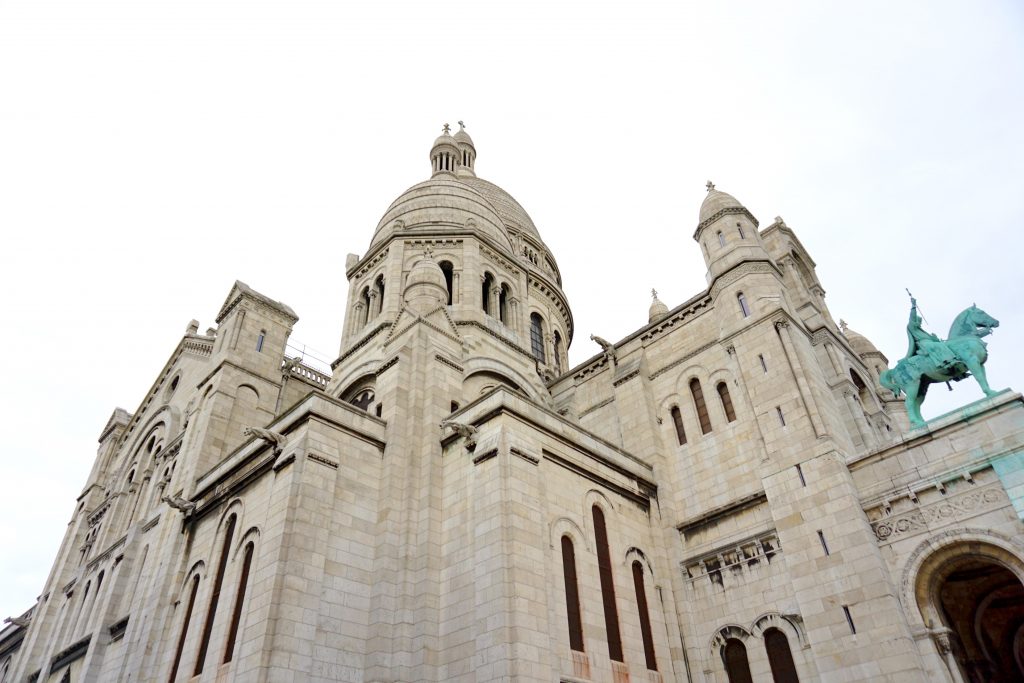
pixel 721 239
pixel 259 341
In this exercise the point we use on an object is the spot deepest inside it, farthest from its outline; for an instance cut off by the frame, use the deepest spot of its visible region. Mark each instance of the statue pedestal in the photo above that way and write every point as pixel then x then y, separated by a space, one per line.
pixel 967 412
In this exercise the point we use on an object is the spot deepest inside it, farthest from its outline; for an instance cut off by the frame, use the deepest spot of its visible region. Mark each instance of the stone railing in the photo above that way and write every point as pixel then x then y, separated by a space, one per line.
pixel 198 346
pixel 311 375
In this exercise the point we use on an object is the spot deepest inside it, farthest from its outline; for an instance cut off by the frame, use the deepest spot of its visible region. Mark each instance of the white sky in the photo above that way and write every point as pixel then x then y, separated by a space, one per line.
pixel 153 152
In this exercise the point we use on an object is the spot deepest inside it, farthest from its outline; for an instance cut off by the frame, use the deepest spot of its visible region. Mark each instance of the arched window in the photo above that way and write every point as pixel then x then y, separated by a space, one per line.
pixel 645 618
pixel 677 420
pixel 236 614
pixel 259 341
pixel 737 668
pixel 379 286
pixel 364 298
pixel 862 389
pixel 449 277
pixel 698 403
pixel 184 627
pixel 744 308
pixel 503 303
pixel 218 581
pixel 721 239
pixel 723 393
pixel 537 337
pixel 558 353
pixel 604 567
pixel 363 399
pixel 572 595
pixel 485 293
pixel 780 658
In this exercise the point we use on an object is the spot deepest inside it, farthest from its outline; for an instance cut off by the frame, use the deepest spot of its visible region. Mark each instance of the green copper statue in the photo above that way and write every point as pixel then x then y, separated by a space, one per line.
pixel 929 359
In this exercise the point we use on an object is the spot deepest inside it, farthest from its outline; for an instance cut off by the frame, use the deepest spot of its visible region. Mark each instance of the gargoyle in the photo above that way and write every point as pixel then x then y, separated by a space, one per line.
pixel 606 346
pixel 18 621
pixel 466 431
pixel 290 364
pixel 276 439
pixel 180 504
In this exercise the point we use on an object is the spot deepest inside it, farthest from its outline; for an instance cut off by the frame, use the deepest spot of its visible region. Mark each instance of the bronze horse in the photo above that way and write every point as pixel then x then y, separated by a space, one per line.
pixel 967 354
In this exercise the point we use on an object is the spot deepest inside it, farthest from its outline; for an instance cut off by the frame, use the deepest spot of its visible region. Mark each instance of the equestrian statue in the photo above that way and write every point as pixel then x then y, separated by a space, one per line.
pixel 930 359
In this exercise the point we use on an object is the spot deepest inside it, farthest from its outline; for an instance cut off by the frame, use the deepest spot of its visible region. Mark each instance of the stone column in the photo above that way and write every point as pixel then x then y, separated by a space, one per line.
pixel 456 288
pixel 858 416
pixel 806 397
pixel 375 304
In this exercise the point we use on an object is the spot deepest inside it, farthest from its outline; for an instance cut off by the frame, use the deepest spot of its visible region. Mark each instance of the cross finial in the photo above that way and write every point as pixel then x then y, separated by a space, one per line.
pixel 447 129
pixel 842 325
pixel 710 186
pixel 654 293
pixel 462 126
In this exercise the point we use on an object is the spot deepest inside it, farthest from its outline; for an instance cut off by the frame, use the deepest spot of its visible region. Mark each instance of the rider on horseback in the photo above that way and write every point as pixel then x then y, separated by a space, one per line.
pixel 926 344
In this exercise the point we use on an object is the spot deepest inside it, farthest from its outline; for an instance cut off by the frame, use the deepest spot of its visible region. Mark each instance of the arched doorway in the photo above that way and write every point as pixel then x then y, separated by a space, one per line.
pixel 982 603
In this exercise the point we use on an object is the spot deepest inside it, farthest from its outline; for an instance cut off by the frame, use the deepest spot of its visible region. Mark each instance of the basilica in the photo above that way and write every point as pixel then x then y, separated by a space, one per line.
pixel 727 494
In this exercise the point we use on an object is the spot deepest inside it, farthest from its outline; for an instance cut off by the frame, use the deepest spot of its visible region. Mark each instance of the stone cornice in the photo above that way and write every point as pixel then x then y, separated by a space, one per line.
pixel 507 342
pixel 741 269
pixel 724 212
pixel 360 343
pixel 240 291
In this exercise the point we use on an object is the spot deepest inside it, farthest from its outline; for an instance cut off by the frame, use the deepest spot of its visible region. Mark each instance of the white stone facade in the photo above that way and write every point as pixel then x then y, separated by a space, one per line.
pixel 760 492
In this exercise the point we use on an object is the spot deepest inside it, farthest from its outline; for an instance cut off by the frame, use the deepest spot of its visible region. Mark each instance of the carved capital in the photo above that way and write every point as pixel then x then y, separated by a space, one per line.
pixel 781 324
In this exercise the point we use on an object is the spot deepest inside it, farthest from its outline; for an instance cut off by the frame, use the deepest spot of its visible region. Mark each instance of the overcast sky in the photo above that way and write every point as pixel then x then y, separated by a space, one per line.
pixel 153 152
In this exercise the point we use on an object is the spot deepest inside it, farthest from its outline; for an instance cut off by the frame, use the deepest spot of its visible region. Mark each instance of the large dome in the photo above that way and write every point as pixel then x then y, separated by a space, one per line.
pixel 438 203
pixel 512 212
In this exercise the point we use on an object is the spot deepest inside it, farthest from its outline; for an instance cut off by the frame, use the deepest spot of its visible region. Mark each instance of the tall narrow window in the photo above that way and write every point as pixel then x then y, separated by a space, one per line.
pixel 744 308
pixel 259 341
pixel 448 270
pixel 379 286
pixel 364 298
pixel 764 366
pixel 782 418
pixel 645 618
pixel 558 353
pixel 702 408
pixel 184 627
pixel 485 292
pixel 503 295
pixel 677 419
pixel 604 566
pixel 537 337
pixel 739 229
pixel 218 581
pixel 780 658
pixel 572 595
pixel 721 239
pixel 236 614
pixel 723 393
pixel 737 667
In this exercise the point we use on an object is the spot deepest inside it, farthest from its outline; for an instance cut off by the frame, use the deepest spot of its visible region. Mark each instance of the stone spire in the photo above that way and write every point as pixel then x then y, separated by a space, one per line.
pixel 658 309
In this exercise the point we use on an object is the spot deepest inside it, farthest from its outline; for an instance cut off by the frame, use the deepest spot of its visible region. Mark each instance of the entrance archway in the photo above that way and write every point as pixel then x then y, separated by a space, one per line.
pixel 982 603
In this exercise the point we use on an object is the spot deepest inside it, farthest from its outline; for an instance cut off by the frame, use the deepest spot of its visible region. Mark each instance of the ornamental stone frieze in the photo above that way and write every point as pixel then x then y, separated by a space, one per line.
pixel 939 514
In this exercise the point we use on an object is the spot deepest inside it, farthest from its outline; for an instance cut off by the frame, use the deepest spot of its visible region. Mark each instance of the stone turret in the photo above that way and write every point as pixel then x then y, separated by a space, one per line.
pixel 425 288
pixel 444 154
pixel 467 152
pixel 727 233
